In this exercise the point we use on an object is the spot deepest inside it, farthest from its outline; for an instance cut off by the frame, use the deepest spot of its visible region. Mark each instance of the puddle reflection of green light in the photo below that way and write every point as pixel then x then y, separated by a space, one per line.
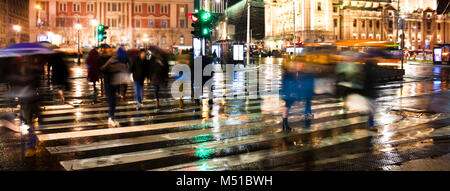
pixel 203 152
pixel 202 138
pixel 203 167
pixel 200 126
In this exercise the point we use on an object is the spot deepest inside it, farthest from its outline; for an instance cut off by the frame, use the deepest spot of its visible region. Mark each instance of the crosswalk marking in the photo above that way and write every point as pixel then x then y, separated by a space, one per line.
pixel 178 150
pixel 98 132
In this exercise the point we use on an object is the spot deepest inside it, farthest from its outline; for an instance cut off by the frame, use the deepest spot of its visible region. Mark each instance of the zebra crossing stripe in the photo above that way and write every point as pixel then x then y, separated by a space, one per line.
pixel 111 160
pixel 177 135
pixel 129 129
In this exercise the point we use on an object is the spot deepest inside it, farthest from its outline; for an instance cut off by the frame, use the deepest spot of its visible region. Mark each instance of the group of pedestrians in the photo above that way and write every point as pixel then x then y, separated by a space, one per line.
pixel 355 85
pixel 23 76
pixel 120 69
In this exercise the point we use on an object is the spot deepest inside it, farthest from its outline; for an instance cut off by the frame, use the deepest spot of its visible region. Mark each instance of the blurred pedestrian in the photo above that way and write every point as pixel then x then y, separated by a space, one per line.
pixel 158 73
pixel 105 55
pixel 25 80
pixel 369 91
pixel 93 67
pixel 297 85
pixel 139 68
pixel 60 73
pixel 115 73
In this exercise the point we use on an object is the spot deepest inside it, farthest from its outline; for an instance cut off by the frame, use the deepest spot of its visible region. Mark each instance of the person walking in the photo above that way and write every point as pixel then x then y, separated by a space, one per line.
pixel 93 64
pixel 139 69
pixel 369 91
pixel 159 74
pixel 115 73
pixel 297 85
pixel 60 73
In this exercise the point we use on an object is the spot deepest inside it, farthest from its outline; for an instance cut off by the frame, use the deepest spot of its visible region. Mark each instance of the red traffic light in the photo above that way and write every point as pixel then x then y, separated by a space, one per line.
pixel 193 17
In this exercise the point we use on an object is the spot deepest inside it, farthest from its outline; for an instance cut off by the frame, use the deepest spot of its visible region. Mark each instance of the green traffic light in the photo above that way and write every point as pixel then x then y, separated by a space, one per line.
pixel 100 27
pixel 100 37
pixel 206 16
pixel 205 31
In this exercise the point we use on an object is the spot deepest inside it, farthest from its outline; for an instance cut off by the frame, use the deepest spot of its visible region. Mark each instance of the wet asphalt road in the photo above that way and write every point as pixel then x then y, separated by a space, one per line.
pixel 412 120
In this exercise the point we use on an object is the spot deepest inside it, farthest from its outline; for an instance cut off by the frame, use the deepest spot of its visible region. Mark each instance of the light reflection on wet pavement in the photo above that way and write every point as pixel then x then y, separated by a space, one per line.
pixel 240 134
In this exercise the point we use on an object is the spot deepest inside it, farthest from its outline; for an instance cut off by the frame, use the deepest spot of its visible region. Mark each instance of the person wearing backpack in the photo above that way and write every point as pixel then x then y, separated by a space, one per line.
pixel 115 73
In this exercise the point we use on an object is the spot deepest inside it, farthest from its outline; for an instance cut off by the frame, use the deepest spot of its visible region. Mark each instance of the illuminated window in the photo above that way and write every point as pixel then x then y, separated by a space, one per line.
pixel 138 8
pixel 62 6
pixel 151 8
pixel 182 40
pixel 138 23
pixel 151 23
pixel 90 7
pixel 181 23
pixel 76 7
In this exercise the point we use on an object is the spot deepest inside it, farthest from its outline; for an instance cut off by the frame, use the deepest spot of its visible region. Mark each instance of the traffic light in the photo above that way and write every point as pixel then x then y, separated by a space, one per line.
pixel 101 35
pixel 202 22
pixel 195 24
pixel 206 24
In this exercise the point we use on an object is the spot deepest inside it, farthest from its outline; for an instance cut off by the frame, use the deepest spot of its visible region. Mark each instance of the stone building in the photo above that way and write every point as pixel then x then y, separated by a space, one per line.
pixel 13 12
pixel 330 20
pixel 134 23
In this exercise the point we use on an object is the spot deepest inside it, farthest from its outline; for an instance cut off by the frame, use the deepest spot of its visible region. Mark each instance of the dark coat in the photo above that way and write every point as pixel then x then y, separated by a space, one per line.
pixel 158 70
pixel 93 65
pixel 297 86
pixel 60 71
pixel 140 69
pixel 370 76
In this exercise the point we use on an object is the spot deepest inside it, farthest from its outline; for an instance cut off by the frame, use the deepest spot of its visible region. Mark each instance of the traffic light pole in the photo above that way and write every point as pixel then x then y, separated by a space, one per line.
pixel 248 31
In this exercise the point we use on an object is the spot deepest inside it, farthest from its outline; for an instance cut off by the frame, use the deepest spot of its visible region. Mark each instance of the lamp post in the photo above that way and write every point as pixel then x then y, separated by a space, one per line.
pixel 78 27
pixel 39 8
pixel 17 28
pixel 248 30
pixel 94 23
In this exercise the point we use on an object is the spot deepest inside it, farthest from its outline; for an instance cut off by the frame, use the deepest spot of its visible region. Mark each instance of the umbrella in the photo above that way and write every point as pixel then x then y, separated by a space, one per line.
pixel 24 49
pixel 104 46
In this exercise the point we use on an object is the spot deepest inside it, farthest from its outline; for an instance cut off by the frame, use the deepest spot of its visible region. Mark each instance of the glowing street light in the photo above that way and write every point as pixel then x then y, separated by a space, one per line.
pixel 78 26
pixel 17 28
pixel 94 22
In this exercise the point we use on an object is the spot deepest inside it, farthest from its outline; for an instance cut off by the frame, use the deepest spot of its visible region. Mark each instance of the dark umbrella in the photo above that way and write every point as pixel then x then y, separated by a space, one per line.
pixel 104 46
pixel 24 49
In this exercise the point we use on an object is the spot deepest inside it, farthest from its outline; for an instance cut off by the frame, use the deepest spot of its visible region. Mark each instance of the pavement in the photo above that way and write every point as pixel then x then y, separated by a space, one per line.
pixel 412 130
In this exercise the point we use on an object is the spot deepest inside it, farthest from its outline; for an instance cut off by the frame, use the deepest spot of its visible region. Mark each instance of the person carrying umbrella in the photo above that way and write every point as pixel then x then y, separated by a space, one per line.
pixel 93 67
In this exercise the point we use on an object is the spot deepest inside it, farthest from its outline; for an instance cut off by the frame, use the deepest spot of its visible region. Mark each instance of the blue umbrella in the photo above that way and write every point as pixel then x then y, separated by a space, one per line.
pixel 24 49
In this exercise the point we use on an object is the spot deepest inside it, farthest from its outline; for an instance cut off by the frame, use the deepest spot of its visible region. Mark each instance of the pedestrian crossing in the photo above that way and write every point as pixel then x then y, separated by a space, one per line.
pixel 235 134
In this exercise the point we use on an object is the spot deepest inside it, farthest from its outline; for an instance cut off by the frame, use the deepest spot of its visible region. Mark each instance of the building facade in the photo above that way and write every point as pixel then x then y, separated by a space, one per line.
pixel 133 23
pixel 13 13
pixel 317 20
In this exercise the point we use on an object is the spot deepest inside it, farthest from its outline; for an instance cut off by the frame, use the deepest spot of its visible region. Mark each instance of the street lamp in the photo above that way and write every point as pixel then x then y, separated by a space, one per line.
pixel 17 28
pixel 39 8
pixel 78 27
pixel 94 23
